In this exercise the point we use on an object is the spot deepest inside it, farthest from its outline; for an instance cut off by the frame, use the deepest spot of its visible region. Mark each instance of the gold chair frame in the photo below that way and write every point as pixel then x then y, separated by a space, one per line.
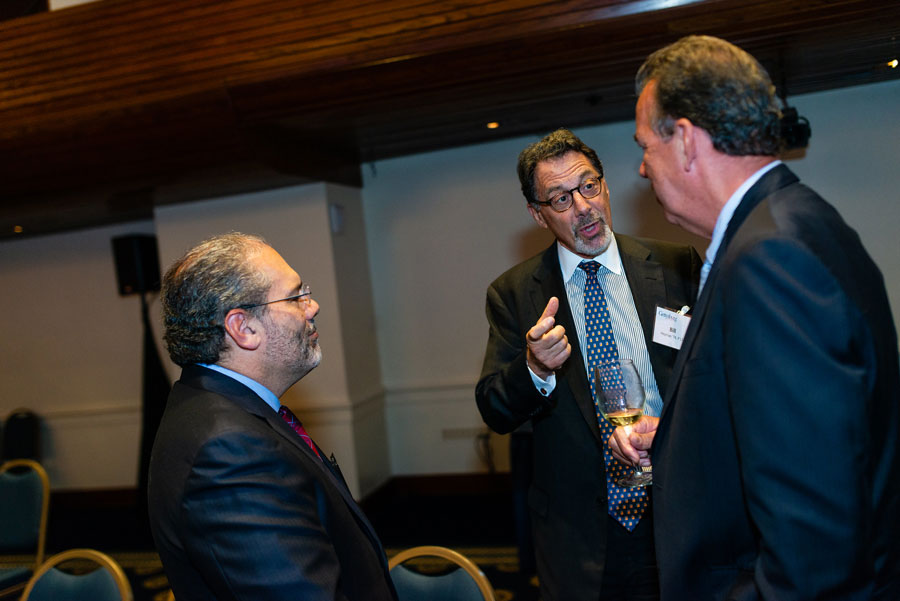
pixel 45 508
pixel 484 585
pixel 102 559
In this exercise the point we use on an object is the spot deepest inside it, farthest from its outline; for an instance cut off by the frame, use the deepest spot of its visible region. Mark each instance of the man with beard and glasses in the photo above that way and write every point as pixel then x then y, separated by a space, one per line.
pixel 536 370
pixel 243 504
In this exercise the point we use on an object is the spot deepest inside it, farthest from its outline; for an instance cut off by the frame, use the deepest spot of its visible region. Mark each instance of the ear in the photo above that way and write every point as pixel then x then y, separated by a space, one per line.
pixel 536 215
pixel 686 136
pixel 244 329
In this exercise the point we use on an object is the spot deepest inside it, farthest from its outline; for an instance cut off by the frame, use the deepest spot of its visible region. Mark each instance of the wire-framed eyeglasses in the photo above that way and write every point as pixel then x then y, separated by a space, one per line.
pixel 561 202
pixel 303 297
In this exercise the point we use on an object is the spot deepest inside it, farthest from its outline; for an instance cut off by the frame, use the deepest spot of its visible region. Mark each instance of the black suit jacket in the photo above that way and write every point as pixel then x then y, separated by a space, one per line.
pixel 241 508
pixel 776 468
pixel 567 497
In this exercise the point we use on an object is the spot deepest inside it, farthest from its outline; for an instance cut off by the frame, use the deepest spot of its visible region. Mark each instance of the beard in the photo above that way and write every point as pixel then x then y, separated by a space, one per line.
pixel 298 353
pixel 598 243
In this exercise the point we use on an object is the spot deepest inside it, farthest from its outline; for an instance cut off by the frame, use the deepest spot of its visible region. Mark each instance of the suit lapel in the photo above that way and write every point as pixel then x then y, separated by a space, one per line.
pixel 648 286
pixel 768 184
pixel 248 400
pixel 572 375
pixel 648 289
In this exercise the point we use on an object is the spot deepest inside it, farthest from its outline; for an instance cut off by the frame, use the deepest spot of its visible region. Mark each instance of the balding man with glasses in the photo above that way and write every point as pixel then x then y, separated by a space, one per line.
pixel 243 504
pixel 535 371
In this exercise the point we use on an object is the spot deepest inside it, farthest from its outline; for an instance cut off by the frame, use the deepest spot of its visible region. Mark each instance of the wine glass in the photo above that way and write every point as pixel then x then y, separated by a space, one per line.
pixel 620 399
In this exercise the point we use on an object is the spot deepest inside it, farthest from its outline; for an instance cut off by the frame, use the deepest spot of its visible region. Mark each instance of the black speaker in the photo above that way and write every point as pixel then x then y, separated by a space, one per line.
pixel 137 263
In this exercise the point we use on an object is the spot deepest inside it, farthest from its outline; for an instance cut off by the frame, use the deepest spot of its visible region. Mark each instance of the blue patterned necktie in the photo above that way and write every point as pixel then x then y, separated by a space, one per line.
pixel 626 505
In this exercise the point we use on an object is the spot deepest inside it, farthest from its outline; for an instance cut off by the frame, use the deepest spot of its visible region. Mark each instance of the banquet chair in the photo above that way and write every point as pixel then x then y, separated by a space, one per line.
pixel 107 582
pixel 24 502
pixel 465 582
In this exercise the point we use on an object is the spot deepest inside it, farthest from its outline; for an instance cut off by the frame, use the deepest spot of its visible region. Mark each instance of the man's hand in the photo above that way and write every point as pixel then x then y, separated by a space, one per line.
pixel 634 448
pixel 548 346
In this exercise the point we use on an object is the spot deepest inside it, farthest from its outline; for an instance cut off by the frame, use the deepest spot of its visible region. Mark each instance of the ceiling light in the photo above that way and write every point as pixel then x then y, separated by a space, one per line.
pixel 493 125
pixel 17 229
pixel 892 64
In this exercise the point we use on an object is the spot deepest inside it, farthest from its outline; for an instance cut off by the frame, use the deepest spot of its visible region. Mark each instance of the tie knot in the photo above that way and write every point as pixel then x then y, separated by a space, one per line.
pixel 287 415
pixel 590 267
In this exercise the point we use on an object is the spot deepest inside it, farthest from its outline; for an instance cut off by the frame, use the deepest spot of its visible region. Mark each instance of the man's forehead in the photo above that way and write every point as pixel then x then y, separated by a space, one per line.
pixel 571 163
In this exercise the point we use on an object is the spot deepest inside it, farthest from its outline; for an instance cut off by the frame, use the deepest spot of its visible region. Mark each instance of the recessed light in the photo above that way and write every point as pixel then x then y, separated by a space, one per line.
pixel 493 125
pixel 893 64
pixel 17 229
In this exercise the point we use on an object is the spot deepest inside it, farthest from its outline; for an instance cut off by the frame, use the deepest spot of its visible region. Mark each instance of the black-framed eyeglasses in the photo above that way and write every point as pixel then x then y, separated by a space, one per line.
pixel 304 295
pixel 561 202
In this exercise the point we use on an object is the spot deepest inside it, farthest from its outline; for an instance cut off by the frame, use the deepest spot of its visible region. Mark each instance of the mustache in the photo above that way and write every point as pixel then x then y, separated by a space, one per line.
pixel 593 216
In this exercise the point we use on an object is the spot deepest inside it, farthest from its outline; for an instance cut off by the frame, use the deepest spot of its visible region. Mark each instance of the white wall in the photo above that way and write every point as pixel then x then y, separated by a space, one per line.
pixel 434 230
pixel 72 352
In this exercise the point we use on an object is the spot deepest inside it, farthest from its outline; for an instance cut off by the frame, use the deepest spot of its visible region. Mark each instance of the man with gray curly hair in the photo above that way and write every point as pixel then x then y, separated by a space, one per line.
pixel 776 461
pixel 243 504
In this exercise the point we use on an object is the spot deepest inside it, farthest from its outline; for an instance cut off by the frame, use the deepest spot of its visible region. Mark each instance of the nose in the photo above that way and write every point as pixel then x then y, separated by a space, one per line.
pixel 312 308
pixel 579 202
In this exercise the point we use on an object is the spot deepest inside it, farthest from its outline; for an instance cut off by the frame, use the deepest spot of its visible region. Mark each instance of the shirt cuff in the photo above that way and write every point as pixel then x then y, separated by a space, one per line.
pixel 545 387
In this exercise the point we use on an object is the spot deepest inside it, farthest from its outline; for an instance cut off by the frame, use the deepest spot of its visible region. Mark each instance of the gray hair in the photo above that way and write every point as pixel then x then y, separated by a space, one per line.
pixel 552 145
pixel 718 87
pixel 201 287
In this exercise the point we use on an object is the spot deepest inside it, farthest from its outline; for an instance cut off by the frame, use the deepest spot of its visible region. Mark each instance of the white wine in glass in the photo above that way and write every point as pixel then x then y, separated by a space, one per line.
pixel 620 399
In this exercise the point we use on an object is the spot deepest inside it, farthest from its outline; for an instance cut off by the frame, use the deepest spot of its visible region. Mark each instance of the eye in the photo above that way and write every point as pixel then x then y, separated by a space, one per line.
pixel 563 200
pixel 589 185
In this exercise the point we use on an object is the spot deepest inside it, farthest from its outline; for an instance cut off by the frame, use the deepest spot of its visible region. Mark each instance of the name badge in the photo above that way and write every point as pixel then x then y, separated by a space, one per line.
pixel 670 326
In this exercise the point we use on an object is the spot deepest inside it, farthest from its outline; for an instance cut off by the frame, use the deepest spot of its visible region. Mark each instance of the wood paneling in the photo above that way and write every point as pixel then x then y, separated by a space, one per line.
pixel 109 107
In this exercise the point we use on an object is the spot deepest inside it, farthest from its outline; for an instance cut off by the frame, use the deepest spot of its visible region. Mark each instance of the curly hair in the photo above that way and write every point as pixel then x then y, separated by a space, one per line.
pixel 718 87
pixel 551 146
pixel 201 287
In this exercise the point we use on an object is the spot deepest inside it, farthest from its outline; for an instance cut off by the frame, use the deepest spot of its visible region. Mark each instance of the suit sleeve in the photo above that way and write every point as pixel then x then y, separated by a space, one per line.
pixel 505 393
pixel 256 523
pixel 795 355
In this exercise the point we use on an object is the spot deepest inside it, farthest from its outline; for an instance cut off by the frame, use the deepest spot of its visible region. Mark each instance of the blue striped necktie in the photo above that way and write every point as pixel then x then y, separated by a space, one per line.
pixel 626 505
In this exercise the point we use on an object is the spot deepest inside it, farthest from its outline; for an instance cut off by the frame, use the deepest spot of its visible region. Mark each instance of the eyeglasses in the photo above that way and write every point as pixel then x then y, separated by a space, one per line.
pixel 304 294
pixel 560 203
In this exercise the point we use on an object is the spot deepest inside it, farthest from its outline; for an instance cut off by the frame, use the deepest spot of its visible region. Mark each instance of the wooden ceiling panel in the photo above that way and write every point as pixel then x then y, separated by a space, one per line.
pixel 110 107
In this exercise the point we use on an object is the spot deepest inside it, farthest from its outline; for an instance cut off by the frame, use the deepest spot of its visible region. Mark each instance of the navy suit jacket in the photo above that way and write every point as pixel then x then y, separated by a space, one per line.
pixel 776 467
pixel 567 497
pixel 242 509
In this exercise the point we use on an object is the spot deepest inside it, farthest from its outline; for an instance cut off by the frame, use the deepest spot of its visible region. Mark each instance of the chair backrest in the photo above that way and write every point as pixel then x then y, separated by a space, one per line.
pixel 21 436
pixel 24 502
pixel 106 583
pixel 466 582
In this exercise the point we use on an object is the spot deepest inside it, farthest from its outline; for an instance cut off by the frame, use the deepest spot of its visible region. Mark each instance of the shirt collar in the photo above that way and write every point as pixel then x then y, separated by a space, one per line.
pixel 609 258
pixel 727 211
pixel 264 393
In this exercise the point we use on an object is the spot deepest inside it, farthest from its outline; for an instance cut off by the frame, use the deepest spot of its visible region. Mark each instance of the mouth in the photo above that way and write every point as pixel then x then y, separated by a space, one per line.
pixel 591 230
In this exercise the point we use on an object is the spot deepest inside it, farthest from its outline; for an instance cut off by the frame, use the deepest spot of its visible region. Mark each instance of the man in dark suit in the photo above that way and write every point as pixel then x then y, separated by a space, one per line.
pixel 776 464
pixel 243 505
pixel 536 316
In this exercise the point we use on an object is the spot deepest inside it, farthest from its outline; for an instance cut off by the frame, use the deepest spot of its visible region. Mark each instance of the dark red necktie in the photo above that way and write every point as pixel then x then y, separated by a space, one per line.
pixel 291 419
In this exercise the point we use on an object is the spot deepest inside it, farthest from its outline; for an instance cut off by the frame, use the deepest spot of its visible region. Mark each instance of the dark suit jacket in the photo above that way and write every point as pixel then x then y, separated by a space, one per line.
pixel 568 492
pixel 776 468
pixel 241 508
